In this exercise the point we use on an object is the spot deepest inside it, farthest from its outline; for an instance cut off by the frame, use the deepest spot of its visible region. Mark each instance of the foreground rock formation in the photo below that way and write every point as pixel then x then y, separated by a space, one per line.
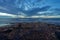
pixel 29 31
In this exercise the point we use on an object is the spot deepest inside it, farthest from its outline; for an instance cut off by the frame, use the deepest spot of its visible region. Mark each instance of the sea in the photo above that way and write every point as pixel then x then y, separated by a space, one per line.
pixel 7 21
pixel 55 21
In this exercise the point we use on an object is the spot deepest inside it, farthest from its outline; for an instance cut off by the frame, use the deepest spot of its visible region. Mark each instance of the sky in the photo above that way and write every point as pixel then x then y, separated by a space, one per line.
pixel 30 8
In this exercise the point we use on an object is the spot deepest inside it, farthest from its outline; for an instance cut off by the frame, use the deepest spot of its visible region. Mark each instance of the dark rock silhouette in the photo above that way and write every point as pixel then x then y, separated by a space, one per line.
pixel 29 31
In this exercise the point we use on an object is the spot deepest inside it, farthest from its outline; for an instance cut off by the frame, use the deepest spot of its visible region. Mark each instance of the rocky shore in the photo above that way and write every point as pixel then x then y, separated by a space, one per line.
pixel 29 31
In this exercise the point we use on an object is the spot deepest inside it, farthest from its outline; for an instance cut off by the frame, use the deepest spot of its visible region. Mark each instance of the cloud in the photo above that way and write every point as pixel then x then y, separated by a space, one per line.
pixel 33 11
pixel 8 15
pixel 43 16
pixel 36 16
pixel 44 12
pixel 22 15
pixel 3 8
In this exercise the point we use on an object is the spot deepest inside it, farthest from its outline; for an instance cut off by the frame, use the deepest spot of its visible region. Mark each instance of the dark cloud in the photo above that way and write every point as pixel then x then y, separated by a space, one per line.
pixel 13 7
pixel 35 10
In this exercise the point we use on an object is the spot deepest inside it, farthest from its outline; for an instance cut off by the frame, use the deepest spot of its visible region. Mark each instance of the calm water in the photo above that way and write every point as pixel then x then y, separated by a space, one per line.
pixel 50 20
pixel 14 20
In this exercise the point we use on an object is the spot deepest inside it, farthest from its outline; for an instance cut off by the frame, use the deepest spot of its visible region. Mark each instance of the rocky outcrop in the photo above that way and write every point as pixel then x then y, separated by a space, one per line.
pixel 29 31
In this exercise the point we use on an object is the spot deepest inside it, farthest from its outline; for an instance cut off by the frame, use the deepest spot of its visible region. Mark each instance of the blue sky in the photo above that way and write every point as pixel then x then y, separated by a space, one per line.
pixel 53 3
pixel 30 7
